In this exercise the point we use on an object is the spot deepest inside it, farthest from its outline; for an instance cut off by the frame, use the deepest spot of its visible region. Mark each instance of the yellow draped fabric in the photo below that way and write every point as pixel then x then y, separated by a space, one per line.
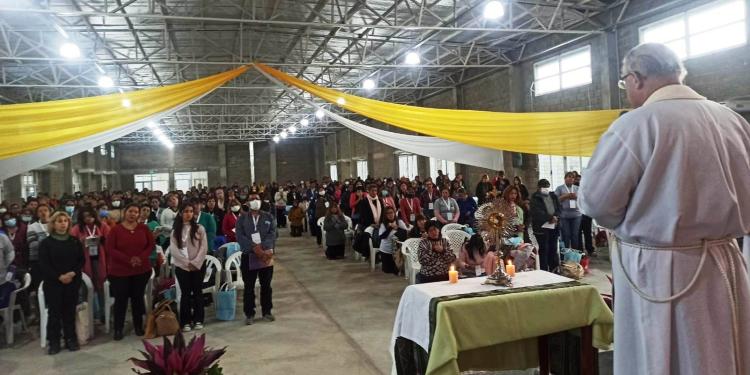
pixel 31 127
pixel 553 133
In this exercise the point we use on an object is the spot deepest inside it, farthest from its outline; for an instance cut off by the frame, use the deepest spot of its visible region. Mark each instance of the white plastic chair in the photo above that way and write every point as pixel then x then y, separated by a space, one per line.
pixel 322 231
pixel 349 232
pixel 456 239
pixel 224 249
pixel 44 317
pixel 373 250
pixel 7 312
pixel 410 249
pixel 451 226
pixel 213 269
pixel 232 265
pixel 109 301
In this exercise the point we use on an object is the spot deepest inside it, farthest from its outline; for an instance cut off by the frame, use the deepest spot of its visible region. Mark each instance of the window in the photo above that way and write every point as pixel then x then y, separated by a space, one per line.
pixel 186 180
pixel 153 181
pixel 362 169
pixel 91 150
pixel 112 151
pixel 407 166
pixel 448 167
pixel 571 69
pixel 105 185
pixel 28 185
pixel 103 150
pixel 553 168
pixel 334 171
pixel 76 182
pixel 701 31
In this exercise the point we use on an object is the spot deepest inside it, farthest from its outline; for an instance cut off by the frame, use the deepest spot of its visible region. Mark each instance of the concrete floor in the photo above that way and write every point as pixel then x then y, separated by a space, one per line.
pixel 333 317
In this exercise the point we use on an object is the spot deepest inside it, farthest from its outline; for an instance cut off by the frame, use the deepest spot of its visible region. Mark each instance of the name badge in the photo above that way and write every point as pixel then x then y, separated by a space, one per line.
pixel 327 204
pixel 184 252
pixel 412 217
pixel 572 203
pixel 8 276
pixel 256 237
pixel 449 216
pixel 92 244
pixel 431 206
pixel 478 270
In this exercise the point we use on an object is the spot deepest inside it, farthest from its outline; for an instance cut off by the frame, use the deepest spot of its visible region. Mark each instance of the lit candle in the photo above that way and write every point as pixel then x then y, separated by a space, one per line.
pixel 453 275
pixel 510 269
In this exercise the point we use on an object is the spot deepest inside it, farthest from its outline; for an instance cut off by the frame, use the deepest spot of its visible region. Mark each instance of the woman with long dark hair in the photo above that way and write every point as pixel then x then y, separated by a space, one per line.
pixel 91 232
pixel 129 246
pixel 189 246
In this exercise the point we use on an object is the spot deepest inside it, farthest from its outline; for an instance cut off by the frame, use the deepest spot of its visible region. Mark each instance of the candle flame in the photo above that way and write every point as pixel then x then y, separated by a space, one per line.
pixel 510 262
pixel 453 268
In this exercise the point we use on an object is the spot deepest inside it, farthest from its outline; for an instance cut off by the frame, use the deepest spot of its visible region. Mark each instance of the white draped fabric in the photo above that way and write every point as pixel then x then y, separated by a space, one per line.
pixel 421 145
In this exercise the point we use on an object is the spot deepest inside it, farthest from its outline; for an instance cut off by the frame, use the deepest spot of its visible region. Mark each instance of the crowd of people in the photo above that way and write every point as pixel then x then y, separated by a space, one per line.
pixel 117 236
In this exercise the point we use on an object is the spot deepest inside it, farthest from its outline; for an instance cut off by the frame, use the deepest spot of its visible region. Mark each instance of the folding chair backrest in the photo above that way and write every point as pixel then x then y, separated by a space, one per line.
pixel 213 268
pixel 456 239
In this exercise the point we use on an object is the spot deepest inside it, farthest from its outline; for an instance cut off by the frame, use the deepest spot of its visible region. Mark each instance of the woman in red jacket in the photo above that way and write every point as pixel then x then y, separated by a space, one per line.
pixel 91 232
pixel 230 221
pixel 129 245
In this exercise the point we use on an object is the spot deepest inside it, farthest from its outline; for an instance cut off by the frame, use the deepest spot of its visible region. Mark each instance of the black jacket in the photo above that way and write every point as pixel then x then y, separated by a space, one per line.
pixel 365 212
pixel 538 211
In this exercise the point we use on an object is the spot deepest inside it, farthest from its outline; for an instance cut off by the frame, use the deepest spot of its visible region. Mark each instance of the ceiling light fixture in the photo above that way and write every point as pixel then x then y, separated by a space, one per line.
pixel 70 50
pixel 105 82
pixel 320 114
pixel 284 134
pixel 305 122
pixel 494 10
pixel 276 138
pixel 368 84
pixel 341 101
pixel 412 58
pixel 292 129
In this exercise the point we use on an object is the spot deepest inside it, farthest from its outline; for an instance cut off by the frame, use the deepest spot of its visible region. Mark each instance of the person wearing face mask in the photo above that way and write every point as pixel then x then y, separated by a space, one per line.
pixel 115 212
pixel 3 209
pixel 70 208
pixel 91 233
pixel 296 219
pixel 16 232
pixel 545 215
pixel 256 234
pixel 229 223
pixel 410 207
pixel 27 216
pixel 570 217
pixel 280 206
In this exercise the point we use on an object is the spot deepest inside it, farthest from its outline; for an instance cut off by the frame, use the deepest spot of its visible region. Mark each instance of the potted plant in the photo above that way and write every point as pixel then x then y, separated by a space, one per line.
pixel 176 358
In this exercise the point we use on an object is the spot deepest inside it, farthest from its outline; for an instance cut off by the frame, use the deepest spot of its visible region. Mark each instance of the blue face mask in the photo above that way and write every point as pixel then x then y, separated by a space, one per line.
pixel 11 223
pixel 69 209
pixel 103 213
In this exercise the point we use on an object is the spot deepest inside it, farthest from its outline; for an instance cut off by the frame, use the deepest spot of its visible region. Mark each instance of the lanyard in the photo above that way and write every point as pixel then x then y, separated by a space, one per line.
pixel 255 221
pixel 409 202
pixel 447 203
pixel 197 219
pixel 566 188
pixel 12 236
pixel 90 232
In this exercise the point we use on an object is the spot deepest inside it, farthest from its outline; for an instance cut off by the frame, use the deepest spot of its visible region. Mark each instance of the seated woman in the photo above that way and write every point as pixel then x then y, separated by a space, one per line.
pixel 435 256
pixel 391 229
pixel 61 261
pixel 334 225
pixel 474 259
pixel 420 229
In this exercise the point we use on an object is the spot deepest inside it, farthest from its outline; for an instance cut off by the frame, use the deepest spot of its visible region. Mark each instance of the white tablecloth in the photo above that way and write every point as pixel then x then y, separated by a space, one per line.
pixel 413 314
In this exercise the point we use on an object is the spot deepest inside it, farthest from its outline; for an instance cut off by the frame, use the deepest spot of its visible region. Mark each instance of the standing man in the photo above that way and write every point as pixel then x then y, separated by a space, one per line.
pixel 570 222
pixel 545 216
pixel 683 298
pixel 256 234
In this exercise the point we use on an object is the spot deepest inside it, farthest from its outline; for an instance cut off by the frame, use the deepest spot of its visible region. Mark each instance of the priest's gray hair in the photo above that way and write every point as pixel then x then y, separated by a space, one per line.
pixel 653 60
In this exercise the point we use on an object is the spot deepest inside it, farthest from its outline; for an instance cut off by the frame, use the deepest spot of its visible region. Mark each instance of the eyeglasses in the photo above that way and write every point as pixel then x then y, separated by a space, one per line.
pixel 621 83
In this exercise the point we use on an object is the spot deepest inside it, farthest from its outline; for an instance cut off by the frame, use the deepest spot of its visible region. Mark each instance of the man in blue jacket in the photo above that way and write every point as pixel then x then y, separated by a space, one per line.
pixel 256 234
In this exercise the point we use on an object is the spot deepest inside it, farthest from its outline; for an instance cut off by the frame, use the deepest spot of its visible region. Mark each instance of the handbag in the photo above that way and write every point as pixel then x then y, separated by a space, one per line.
pixel 572 270
pixel 226 302
pixel 162 321
pixel 83 324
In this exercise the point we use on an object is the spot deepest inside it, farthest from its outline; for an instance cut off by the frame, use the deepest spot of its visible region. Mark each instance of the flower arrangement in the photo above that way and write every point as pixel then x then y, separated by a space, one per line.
pixel 176 358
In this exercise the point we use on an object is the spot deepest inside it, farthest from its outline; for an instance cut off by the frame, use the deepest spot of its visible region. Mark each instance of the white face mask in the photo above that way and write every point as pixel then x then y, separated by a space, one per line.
pixel 544 191
pixel 235 208
pixel 115 204
pixel 322 193
pixel 255 205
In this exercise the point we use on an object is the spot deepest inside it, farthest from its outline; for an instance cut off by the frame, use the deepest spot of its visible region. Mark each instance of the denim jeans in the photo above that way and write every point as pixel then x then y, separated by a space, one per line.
pixel 570 228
